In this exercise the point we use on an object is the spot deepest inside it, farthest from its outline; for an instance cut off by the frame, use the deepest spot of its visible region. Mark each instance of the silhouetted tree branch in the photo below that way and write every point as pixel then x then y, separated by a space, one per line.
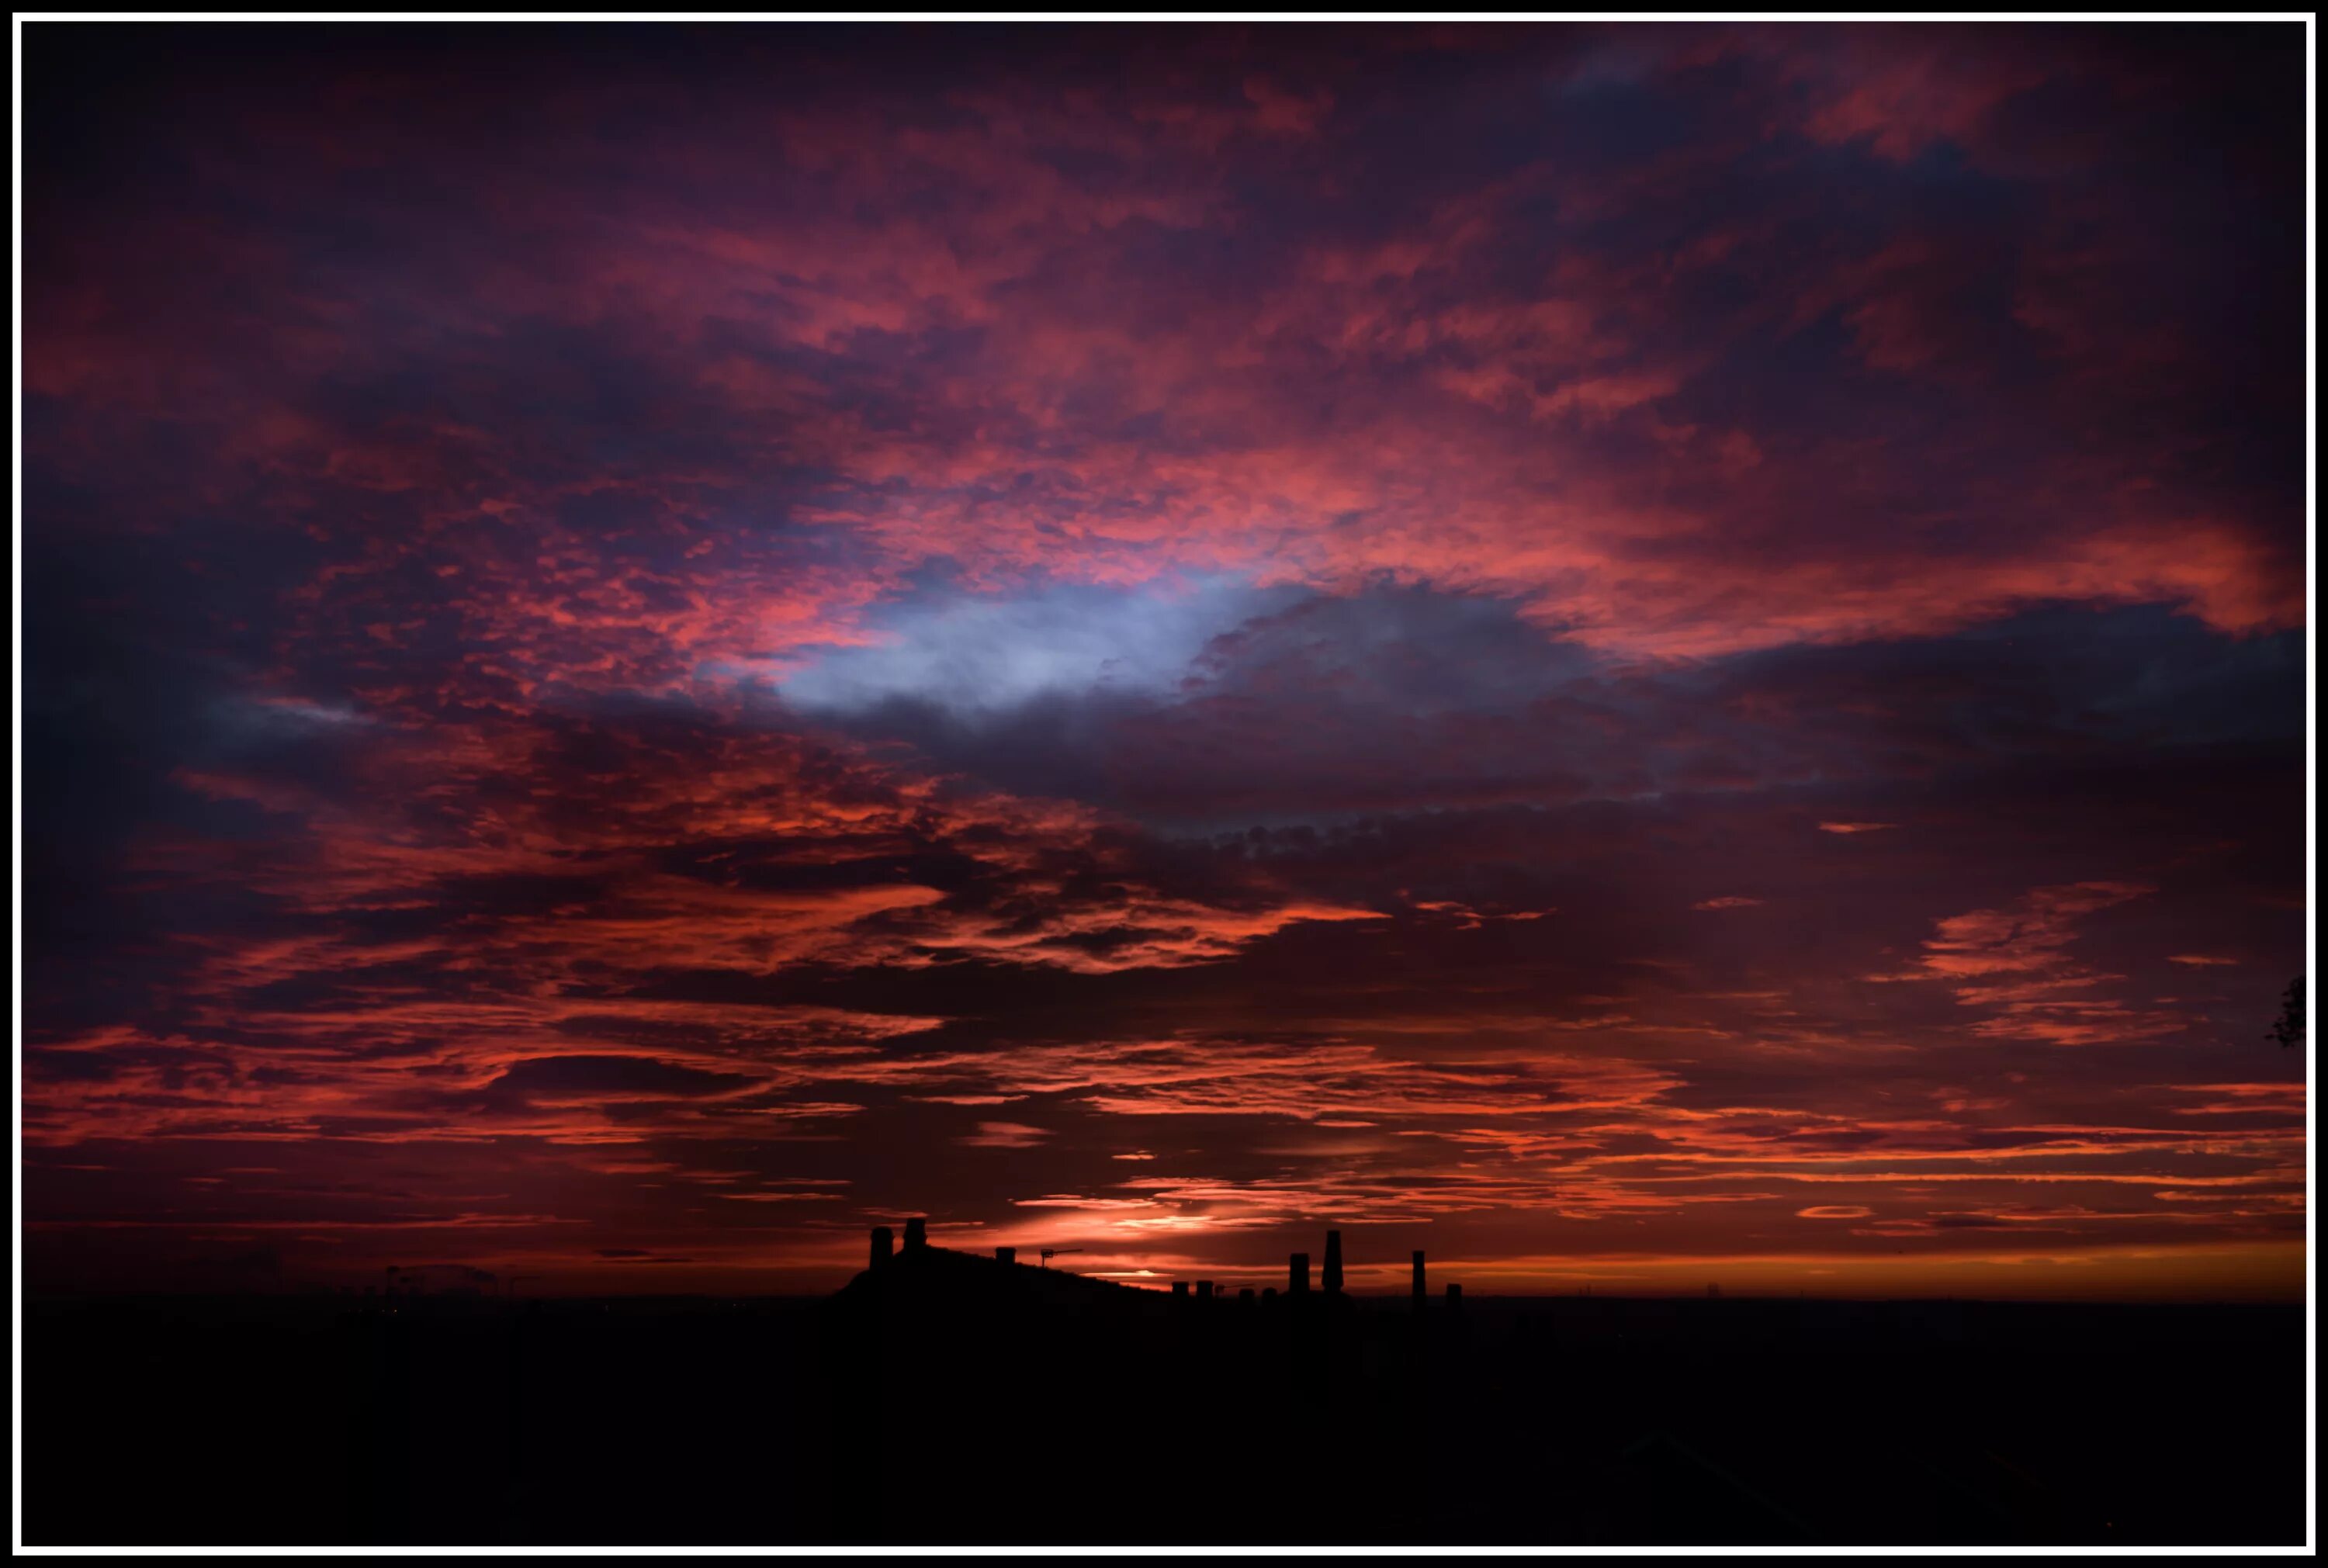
pixel 2289 1029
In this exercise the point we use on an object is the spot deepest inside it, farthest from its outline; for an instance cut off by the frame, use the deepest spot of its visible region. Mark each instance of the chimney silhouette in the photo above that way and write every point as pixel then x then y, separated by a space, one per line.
pixel 917 1236
pixel 1006 1255
pixel 1297 1274
pixel 1421 1290
pixel 884 1245
pixel 1332 1279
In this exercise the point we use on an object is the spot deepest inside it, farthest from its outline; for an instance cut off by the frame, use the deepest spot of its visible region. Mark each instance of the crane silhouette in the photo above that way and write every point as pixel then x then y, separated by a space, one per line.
pixel 1050 1253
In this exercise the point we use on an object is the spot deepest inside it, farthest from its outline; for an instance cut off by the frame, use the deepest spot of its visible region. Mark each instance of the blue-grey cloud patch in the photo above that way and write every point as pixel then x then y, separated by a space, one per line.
pixel 979 654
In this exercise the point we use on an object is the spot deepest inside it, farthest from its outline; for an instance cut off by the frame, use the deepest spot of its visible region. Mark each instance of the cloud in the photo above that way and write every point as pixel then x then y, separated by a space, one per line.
pixel 2014 961
pixel 1004 1135
pixel 560 1078
pixel 580 664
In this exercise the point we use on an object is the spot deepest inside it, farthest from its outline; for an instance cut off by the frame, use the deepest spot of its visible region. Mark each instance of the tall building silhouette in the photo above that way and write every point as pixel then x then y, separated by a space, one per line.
pixel 1332 1279
pixel 1297 1274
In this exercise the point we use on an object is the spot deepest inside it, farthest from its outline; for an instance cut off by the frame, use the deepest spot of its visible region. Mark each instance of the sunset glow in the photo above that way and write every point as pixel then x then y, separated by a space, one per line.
pixel 1645 657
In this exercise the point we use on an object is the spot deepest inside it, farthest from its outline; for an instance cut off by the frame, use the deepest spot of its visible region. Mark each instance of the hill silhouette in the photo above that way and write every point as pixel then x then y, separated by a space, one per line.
pixel 939 1279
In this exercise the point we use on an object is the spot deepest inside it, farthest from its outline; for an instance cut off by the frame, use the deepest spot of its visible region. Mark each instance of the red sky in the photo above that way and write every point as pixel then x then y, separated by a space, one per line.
pixel 1644 656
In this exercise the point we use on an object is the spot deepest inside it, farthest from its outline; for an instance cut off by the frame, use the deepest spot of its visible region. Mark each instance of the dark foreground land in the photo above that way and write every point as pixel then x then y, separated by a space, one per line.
pixel 951 1399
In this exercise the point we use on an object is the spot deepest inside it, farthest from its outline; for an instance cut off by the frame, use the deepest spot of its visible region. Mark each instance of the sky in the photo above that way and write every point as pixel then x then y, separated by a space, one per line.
pixel 1642 656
